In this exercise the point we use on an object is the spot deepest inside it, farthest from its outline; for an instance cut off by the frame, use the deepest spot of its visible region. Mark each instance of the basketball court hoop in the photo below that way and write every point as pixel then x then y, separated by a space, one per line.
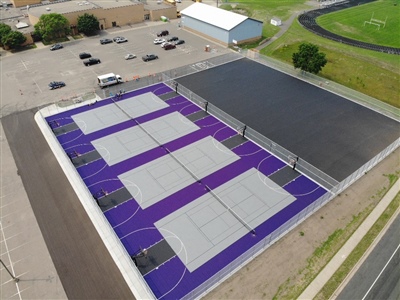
pixel 204 105
pixel 293 161
pixel 241 130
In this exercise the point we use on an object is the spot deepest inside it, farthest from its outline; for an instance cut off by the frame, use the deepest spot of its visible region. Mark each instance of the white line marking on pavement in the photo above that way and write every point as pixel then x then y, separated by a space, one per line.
pixel 381 272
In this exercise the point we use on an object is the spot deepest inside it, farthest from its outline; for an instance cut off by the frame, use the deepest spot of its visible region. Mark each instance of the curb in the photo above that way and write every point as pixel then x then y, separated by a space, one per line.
pixel 364 256
pixel 327 272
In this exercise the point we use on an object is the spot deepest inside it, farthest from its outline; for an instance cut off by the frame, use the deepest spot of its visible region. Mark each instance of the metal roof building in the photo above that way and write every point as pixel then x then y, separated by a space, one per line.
pixel 220 25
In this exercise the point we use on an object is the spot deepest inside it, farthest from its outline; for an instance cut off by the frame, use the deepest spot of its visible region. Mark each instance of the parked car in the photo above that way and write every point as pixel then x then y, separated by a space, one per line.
pixel 149 57
pixel 165 43
pixel 179 42
pixel 117 37
pixel 91 61
pixel 173 39
pixel 169 46
pixel 121 40
pixel 130 56
pixel 84 55
pixel 105 41
pixel 56 84
pixel 56 47
pixel 159 41
pixel 163 33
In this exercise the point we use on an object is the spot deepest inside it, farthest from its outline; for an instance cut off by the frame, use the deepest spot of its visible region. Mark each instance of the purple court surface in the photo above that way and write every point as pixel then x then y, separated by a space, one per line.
pixel 184 201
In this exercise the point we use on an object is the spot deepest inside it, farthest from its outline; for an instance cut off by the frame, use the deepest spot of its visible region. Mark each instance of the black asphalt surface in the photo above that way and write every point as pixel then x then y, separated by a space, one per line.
pixel 387 286
pixel 332 133
pixel 83 263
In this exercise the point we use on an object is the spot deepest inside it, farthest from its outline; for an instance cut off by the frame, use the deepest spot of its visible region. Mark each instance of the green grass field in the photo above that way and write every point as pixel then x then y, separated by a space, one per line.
pixel 351 23
pixel 372 73
pixel 265 10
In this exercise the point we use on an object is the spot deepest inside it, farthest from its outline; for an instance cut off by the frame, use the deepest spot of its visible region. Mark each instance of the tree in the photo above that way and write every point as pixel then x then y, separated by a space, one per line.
pixel 52 26
pixel 309 59
pixel 88 24
pixel 4 30
pixel 13 39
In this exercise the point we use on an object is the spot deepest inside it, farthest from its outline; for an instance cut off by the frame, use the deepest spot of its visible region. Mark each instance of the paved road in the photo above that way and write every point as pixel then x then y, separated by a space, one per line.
pixel 379 275
pixel 81 259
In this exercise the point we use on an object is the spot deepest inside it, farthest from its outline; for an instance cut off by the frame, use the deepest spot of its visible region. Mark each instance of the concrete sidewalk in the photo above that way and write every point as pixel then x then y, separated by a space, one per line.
pixel 318 283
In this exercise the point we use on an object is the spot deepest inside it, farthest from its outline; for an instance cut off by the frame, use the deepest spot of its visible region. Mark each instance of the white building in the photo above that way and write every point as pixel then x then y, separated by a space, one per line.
pixel 220 25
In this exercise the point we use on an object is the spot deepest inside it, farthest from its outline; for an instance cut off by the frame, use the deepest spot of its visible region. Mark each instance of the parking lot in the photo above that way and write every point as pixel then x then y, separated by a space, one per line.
pixel 25 76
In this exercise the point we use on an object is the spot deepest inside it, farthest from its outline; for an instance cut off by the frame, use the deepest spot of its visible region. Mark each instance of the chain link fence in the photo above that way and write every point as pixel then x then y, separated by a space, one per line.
pixel 334 187
pixel 117 250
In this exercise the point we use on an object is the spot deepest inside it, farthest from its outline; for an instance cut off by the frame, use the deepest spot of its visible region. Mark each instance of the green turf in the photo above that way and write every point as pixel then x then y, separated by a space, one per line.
pixel 372 73
pixel 351 22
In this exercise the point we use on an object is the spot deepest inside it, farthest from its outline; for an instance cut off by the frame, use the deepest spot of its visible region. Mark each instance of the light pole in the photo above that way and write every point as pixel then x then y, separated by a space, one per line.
pixel 16 279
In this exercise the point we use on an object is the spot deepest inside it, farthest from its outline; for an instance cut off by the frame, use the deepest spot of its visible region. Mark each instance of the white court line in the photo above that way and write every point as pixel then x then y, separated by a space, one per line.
pixel 379 275
pixel 138 202
pixel 77 145
pixel 182 248
pixel 105 165
pixel 70 141
pixel 279 189
pixel 180 111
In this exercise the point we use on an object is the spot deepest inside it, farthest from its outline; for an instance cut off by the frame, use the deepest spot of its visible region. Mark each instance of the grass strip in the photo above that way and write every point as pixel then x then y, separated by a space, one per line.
pixel 349 263
pixel 294 286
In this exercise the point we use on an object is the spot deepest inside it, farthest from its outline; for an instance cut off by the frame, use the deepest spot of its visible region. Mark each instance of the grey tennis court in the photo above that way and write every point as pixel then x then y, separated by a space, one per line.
pixel 189 196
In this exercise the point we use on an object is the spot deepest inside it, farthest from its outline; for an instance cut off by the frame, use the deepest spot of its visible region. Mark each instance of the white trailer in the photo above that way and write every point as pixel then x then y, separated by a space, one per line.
pixel 108 79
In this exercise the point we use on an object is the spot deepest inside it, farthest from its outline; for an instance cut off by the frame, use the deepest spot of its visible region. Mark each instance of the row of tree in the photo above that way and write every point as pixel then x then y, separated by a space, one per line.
pixel 9 37
pixel 53 26
pixel 49 28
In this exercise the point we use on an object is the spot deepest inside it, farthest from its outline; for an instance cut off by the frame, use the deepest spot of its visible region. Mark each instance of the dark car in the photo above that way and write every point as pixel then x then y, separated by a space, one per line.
pixel 84 55
pixel 169 46
pixel 180 42
pixel 173 39
pixel 56 47
pixel 91 61
pixel 163 33
pixel 149 57
pixel 56 84
pixel 105 41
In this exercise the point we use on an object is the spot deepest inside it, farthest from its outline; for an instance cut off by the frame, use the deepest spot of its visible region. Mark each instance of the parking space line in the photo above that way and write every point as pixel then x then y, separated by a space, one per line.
pixel 37 85
pixel 23 63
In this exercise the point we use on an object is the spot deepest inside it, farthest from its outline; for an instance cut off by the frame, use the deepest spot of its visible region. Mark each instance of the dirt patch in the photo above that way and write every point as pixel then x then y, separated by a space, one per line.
pixel 283 262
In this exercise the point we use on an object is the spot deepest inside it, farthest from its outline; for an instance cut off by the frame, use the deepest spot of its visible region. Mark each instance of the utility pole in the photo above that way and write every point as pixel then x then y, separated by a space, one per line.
pixel 16 279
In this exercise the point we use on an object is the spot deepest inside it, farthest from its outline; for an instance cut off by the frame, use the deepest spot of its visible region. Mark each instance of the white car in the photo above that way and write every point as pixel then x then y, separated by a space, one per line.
pixel 121 40
pixel 130 56
pixel 165 43
pixel 159 41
